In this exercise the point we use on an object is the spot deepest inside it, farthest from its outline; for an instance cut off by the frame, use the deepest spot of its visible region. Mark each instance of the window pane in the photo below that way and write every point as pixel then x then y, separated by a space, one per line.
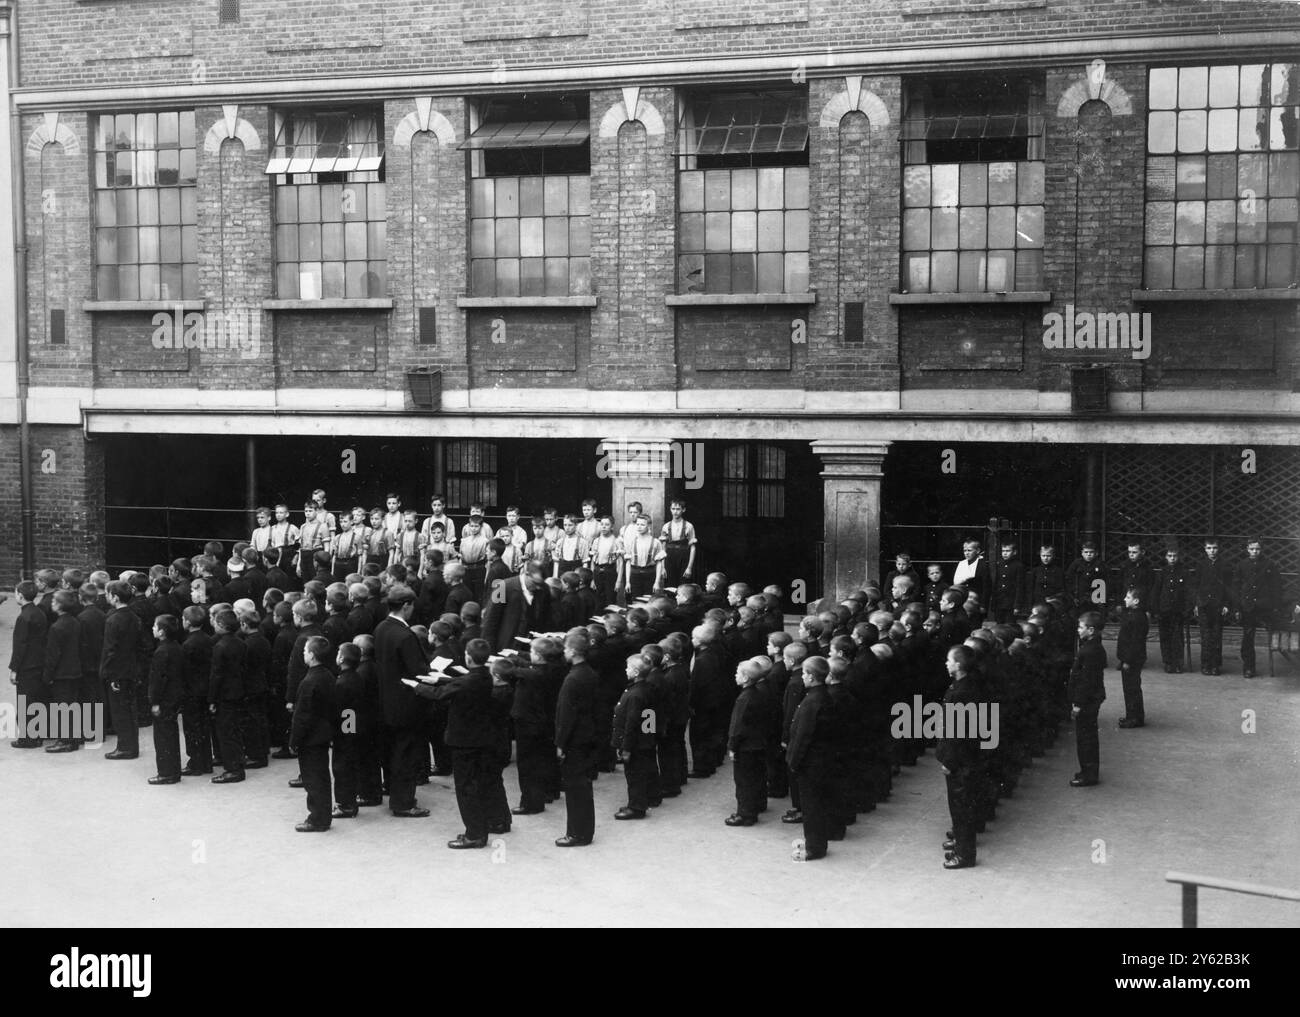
pixel 188 172
pixel 771 231
pixel 943 229
pixel 355 284
pixel 1220 177
pixel 124 170
pixel 309 203
pixel 1285 90
pixel 970 275
pixel 1164 88
pixel 744 189
pixel 580 195
pixel 169 206
pixel 796 187
pixel 1284 174
pixel 916 229
pixel 1160 132
pixel 354 205
pixel 1252 175
pixel 507 196
pixel 717 273
pixel 557 277
pixel 1253 77
pixel 106 247
pixel 557 196
pixel 148 245
pixel 1029 270
pixel 1223 130
pixel 1223 87
pixel 1001 271
pixel 1159 268
pixel 1189 268
pixel 557 236
pixel 482 238
pixel 480 198
pixel 1030 183
pixel 717 231
pixel 1219 262
pixel 742 273
pixel 1029 226
pixel 771 273
pixel 973 228
pixel 1160 222
pixel 580 236
pixel 717 190
pixel 943 272
pixel 974 183
pixel 1191 130
pixel 1002 227
pixel 376 239
pixel 482 277
pixel 532 277
pixel 1220 222
pixel 331 203
pixel 796 231
pixel 744 231
pixel 943 184
pixel 1189 222
pixel 286 243
pixel 1252 223
pixel 531 239
pixel 147 207
pixel 286 280
pixel 771 187
pixel 128 250
pixel 916 186
pixel 1282 132
pixel 507 277
pixel 530 196
pixel 1249 262
pixel 1193 88
pixel 1191 178
pixel 128 283
pixel 1160 178
pixel 1002 183
pixel 916 270
pixel 332 241
pixel 691 190
pixel 1254 124
pixel 507 238
pixel 332 284
pixel 796 273
pixel 1281 266
pixel 692 231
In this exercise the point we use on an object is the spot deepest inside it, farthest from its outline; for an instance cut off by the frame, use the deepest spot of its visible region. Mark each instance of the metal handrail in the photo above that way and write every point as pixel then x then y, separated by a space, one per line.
pixel 1191 883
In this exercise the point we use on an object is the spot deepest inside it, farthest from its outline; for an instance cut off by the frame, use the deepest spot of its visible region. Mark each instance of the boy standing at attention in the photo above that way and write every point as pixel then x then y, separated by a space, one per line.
pixel 678 538
pixel 1131 650
pixel 645 557
pixel 166 690
pixel 313 728
pixel 1087 692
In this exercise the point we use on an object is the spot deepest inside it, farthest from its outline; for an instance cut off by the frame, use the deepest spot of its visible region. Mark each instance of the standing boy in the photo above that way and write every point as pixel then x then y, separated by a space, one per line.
pixel 27 661
pixel 748 740
pixel 575 741
pixel 166 692
pixel 1212 586
pixel 1131 651
pixel 226 697
pixel 1257 594
pixel 117 669
pixel 679 541
pixel 311 732
pixel 1087 692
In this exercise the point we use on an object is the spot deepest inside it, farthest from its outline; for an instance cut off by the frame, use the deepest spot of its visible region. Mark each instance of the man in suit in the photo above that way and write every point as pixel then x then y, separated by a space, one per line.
pixel 27 662
pixel 575 741
pixel 471 735
pixel 118 668
pixel 398 655
pixel 519 606
pixel 1256 594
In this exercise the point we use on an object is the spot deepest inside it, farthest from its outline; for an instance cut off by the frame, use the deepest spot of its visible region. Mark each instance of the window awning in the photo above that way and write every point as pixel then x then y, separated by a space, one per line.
pixel 327 143
pixel 744 124
pixel 530 134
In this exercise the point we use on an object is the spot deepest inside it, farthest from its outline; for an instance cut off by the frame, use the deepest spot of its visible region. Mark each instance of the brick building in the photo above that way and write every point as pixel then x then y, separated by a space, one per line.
pixel 897 268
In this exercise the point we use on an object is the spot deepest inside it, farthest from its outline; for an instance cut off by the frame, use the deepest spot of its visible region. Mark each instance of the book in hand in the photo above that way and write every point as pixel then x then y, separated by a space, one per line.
pixel 440 663
pixel 411 682
pixel 524 639
pixel 616 608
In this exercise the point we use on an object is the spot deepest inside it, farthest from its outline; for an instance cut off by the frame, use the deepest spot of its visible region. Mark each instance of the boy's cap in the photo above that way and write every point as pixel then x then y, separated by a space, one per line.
pixel 235 565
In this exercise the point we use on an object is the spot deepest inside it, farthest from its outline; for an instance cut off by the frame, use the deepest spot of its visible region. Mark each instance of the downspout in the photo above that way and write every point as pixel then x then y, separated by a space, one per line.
pixel 8 30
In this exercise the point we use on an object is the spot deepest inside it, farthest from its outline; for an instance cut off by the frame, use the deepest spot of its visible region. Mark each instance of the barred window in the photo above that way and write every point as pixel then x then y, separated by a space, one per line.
pixel 742 186
pixel 973 185
pixel 471 474
pixel 331 215
pixel 1223 176
pixel 530 196
pixel 753 481
pixel 145 218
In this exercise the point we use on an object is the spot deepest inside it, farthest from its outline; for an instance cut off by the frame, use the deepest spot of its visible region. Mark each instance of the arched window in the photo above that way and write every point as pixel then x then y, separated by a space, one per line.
pixel 471 472
pixel 753 481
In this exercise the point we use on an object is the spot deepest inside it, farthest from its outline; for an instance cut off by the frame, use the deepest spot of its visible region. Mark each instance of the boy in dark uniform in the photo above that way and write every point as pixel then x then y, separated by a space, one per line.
pixel 226 697
pixel 118 668
pixel 1131 651
pixel 575 741
pixel 90 631
pixel 1008 586
pixel 809 756
pixel 352 715
pixel 1256 594
pixel 196 664
pixel 1135 574
pixel 1169 603
pixel 635 724
pixel 1046 579
pixel 1087 693
pixel 958 758
pixel 535 687
pixel 1212 584
pixel 314 718
pixel 792 656
pixel 371 747
pixel 257 667
pixel 63 666
pixel 166 692
pixel 27 661
pixel 1082 579
pixel 749 740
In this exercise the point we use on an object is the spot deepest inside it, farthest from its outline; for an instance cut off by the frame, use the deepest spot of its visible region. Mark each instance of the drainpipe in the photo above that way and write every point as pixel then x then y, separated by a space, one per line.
pixel 9 56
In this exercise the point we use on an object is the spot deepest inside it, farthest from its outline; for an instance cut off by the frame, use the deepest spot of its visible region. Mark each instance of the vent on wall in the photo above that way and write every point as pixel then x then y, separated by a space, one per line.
pixel 428 325
pixel 227 11
pixel 58 333
pixel 853 333
pixel 1088 390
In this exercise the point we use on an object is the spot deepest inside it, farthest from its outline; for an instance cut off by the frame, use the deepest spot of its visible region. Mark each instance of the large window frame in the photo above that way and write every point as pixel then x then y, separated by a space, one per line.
pixel 330 204
pixel 1222 177
pixel 470 473
pixel 145 206
pixel 974 182
pixel 743 203
pixel 530 195
pixel 753 481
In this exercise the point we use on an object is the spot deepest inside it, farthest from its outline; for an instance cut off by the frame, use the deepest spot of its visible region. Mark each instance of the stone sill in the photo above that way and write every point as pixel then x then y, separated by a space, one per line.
pixel 143 305
pixel 1007 297
pixel 1145 296
pixel 579 301
pixel 331 304
pixel 733 299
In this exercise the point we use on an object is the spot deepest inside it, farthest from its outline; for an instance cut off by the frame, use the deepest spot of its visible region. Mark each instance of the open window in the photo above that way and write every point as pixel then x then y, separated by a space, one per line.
pixel 331 214
pixel 530 195
pixel 742 192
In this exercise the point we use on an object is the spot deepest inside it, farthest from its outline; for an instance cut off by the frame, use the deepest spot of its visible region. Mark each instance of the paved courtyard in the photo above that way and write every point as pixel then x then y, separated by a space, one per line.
pixel 87 842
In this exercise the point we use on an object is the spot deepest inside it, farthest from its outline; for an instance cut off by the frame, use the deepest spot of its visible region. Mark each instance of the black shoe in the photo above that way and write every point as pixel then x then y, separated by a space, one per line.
pixel 1214 672
pixel 164 780
pixel 1083 782
pixel 369 802
pixel 567 841
pixel 254 764
pixel 189 771
pixel 950 845
pixel 1127 722
pixel 115 754
pixel 412 813
pixel 26 743
pixel 342 813
pixel 1245 674
pixel 811 857
pixel 62 747
pixel 626 813
pixel 792 816
pixel 655 803
pixel 738 820
pixel 282 753
pixel 310 827
pixel 462 842
pixel 296 782
pixel 958 862
pixel 421 780
pixel 521 811
pixel 949 835
pixel 499 829
pixel 228 777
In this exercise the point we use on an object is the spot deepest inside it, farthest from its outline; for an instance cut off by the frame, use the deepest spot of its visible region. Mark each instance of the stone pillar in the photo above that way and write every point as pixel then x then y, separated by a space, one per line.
pixel 637 469
pixel 852 472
